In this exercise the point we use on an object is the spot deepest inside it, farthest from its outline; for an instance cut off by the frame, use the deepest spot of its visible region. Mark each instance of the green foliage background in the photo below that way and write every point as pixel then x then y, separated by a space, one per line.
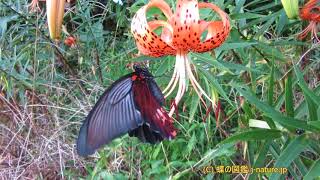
pixel 262 75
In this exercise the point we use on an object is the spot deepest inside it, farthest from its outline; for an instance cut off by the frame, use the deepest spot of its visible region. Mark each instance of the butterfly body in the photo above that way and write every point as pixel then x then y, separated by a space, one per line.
pixel 132 104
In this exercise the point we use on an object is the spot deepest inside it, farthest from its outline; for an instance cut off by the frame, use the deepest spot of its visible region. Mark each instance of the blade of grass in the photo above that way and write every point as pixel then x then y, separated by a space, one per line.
pixel 275 115
pixel 289 96
pixel 255 134
pixel 314 171
pixel 271 85
pixel 304 86
pixel 289 154
pixel 260 161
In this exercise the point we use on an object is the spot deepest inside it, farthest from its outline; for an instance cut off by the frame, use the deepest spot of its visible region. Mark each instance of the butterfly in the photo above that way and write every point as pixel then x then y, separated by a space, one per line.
pixel 133 104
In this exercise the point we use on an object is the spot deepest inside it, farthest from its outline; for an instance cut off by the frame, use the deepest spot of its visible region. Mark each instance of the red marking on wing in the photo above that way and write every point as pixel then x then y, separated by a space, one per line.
pixel 152 111
pixel 134 77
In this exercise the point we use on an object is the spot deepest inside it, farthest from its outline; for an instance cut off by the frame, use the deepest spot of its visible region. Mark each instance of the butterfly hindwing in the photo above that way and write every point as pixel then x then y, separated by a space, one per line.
pixel 113 115
pixel 148 101
pixel 155 90
pixel 133 104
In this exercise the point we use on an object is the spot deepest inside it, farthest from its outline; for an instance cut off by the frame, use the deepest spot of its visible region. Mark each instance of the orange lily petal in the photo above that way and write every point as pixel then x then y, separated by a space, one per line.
pixel 218 31
pixel 181 32
pixel 311 11
pixel 186 25
pixel 148 42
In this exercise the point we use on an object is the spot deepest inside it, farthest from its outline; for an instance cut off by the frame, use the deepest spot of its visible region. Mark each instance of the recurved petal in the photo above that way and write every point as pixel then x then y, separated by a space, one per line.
pixel 218 31
pixel 148 42
pixel 185 24
pixel 311 11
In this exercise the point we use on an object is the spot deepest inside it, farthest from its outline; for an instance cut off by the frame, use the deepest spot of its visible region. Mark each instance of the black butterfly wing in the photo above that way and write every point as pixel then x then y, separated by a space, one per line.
pixel 145 132
pixel 155 90
pixel 158 125
pixel 112 116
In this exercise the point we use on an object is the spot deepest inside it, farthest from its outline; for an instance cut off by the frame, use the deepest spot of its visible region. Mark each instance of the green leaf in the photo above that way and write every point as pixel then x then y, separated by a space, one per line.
pixel 255 134
pixel 195 102
pixel 303 85
pixel 259 162
pixel 218 151
pixel 290 153
pixel 283 20
pixel 192 142
pixel 266 26
pixel 314 171
pixel 312 108
pixel 248 15
pixel 275 115
pixel 271 85
pixel 215 84
pixel 229 46
pixel 289 96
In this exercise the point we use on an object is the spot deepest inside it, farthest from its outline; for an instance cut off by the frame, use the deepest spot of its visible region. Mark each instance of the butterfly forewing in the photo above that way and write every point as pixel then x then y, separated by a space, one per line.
pixel 155 90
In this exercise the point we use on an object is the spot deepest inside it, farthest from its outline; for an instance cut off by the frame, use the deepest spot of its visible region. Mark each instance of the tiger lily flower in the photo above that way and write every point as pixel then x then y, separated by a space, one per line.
pixel 311 12
pixel 181 33
pixel 55 13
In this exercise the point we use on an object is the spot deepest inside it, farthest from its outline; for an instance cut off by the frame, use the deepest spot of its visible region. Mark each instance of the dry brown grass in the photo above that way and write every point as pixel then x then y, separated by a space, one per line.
pixel 34 141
